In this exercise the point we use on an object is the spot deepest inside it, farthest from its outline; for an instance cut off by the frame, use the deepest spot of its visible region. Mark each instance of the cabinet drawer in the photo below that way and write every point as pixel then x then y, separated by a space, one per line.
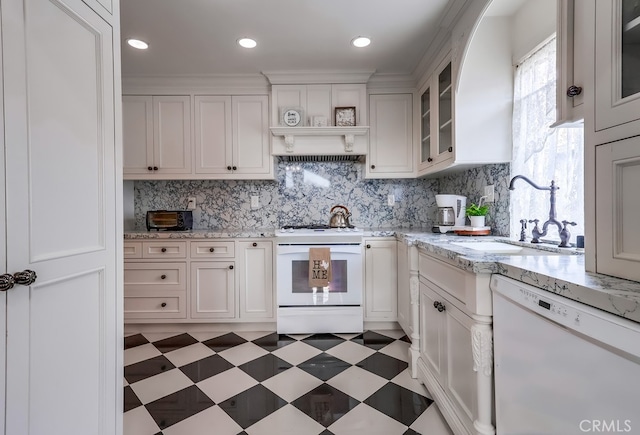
pixel 168 249
pixel 449 278
pixel 155 276
pixel 155 306
pixel 213 249
pixel 132 249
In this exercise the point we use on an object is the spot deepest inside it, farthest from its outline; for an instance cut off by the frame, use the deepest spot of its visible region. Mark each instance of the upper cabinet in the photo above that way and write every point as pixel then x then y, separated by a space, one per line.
pixel 156 136
pixel 391 136
pixel 570 49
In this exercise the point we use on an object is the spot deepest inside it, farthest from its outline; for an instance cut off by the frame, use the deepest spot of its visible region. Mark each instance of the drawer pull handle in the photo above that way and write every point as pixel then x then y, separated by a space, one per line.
pixel 439 306
pixel 231 267
pixel 150 168
pixel 211 249
pixel 163 276
pixel 254 244
pixel 164 304
pixel 164 249
pixel 429 160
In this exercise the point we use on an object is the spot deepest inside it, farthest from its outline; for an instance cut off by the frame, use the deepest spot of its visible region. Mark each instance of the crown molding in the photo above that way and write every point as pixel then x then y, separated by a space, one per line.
pixel 316 77
pixel 391 83
pixel 186 84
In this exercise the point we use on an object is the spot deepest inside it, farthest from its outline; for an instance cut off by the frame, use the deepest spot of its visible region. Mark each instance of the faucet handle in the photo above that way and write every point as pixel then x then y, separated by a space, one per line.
pixel 565 223
pixel 533 221
pixel 565 234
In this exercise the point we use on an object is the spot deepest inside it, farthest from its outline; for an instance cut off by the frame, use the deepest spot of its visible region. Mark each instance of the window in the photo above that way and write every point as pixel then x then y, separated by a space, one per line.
pixel 542 153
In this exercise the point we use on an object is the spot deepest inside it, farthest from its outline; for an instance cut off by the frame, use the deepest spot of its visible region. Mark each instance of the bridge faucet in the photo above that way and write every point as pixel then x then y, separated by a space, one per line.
pixel 552 208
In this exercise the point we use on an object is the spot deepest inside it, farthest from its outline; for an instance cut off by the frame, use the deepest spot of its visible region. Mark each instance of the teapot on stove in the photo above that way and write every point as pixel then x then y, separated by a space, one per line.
pixel 339 219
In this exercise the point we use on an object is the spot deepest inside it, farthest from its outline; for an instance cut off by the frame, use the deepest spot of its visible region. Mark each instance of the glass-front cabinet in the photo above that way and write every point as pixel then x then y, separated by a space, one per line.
pixel 617 66
pixel 436 110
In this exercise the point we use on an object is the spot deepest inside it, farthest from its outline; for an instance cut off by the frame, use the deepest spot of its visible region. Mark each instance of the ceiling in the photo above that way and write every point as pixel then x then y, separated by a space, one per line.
pixel 198 37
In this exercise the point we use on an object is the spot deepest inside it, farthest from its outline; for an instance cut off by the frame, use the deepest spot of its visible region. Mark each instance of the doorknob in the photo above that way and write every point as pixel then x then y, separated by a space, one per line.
pixel 6 282
pixel 26 277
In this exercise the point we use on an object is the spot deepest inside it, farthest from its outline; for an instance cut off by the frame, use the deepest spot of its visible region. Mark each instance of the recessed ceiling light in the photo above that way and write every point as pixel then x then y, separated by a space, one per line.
pixel 360 41
pixel 137 43
pixel 247 42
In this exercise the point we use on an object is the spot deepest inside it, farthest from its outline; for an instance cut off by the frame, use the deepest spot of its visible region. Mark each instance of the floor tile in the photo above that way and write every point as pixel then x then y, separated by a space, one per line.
pixel 350 352
pixel 292 383
pixel 410 432
pixel 175 342
pixel 297 352
pixel 299 336
pixel 212 420
pixel 252 335
pixel 348 336
pixel 157 336
pixel 226 384
pixel 396 334
pixel 405 339
pixel 325 404
pixel 324 366
pixel 373 340
pixel 224 342
pixel 326 432
pixel 178 406
pixel 365 420
pixel 431 422
pixel 383 365
pixel 140 353
pixel 147 368
pixel 189 354
pixel 357 383
pixel 134 340
pixel 206 335
pixel 399 403
pixel 160 385
pixel 131 401
pixel 205 368
pixel 323 341
pixel 398 349
pixel 264 367
pixel 405 380
pixel 139 422
pixel 287 420
pixel 274 341
pixel 242 353
pixel 252 405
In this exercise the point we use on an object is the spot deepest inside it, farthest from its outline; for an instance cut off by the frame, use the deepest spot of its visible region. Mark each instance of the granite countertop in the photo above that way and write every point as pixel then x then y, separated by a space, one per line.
pixel 563 274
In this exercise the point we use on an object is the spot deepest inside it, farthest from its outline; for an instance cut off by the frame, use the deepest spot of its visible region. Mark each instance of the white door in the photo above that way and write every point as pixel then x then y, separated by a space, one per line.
pixel 64 334
pixel 255 279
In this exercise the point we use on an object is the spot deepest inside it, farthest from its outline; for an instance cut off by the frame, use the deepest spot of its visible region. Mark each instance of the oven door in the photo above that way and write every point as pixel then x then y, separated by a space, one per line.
pixel 292 278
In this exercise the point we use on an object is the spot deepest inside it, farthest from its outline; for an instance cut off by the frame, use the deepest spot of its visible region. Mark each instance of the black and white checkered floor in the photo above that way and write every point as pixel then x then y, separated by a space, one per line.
pixel 262 383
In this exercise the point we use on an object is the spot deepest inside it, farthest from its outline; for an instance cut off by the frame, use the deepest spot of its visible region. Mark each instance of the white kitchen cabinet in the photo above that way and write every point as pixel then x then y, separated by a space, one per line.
pixel 232 137
pixel 255 279
pixel 390 136
pixel 381 280
pixel 455 360
pixel 408 299
pixel 404 292
pixel 155 290
pixel 164 140
pixel 570 47
pixel 213 290
pixel 60 155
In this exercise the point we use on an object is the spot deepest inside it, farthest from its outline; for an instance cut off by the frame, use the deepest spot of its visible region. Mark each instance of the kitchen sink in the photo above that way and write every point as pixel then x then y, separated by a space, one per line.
pixel 502 248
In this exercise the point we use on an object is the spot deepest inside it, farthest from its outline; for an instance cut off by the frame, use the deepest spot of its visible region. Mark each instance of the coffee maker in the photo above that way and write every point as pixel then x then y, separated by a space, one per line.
pixel 451 212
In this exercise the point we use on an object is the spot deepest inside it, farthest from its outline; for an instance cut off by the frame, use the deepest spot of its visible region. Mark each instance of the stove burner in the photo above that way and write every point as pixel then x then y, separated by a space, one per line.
pixel 309 227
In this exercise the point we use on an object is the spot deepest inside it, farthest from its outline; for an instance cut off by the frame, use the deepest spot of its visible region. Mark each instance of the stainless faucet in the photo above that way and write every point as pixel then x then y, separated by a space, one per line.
pixel 536 233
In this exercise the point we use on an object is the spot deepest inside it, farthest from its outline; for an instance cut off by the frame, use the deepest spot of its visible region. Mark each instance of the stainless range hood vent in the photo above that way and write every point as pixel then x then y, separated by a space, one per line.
pixel 334 158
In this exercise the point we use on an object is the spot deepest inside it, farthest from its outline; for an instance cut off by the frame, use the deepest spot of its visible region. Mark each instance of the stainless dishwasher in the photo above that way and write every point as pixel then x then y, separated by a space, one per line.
pixel 562 367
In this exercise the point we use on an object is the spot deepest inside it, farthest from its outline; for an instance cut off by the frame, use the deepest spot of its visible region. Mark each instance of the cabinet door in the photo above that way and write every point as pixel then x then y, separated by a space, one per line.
pixel 391 136
pixel 137 135
pixel 251 150
pixel 255 273
pixel 617 235
pixel 425 129
pixel 404 292
pixel 213 135
pixel 213 290
pixel 442 147
pixel 172 134
pixel 381 280
pixel 617 64
pixel 431 332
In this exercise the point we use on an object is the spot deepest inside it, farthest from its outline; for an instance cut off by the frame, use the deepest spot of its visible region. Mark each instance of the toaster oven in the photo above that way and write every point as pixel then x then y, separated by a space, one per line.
pixel 169 220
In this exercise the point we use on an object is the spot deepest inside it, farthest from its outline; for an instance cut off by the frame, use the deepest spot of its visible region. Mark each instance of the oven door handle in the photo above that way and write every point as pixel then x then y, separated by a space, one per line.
pixel 304 249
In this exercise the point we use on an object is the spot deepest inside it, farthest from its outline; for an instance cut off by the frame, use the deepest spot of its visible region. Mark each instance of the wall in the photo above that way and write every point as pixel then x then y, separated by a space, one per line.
pixel 302 193
pixel 531 25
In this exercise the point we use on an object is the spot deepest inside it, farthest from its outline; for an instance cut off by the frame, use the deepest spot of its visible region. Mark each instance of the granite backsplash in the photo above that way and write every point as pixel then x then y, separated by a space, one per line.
pixel 305 192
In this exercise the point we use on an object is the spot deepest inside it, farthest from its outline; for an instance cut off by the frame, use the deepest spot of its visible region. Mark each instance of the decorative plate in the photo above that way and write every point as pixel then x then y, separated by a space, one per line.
pixel 292 116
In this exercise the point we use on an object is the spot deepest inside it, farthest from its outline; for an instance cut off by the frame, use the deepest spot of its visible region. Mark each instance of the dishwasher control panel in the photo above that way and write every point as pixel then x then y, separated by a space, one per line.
pixel 533 299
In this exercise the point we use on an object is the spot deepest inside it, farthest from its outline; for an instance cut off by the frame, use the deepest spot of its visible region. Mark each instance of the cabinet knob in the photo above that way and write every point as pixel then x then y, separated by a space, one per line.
pixel 234 168
pixel 450 149
pixel 211 249
pixel 26 277
pixel 373 166
pixel 439 306
pixel 574 91
pixel 231 267
pixel 163 276
pixel 164 304
pixel 150 168
pixel 228 168
pixel 164 249
pixel 6 282
pixel 254 244
pixel 155 168
pixel 368 246
pixel 429 160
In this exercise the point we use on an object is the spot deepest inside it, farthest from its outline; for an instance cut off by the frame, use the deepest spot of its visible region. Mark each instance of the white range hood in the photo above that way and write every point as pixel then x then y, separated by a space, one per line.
pixel 320 141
